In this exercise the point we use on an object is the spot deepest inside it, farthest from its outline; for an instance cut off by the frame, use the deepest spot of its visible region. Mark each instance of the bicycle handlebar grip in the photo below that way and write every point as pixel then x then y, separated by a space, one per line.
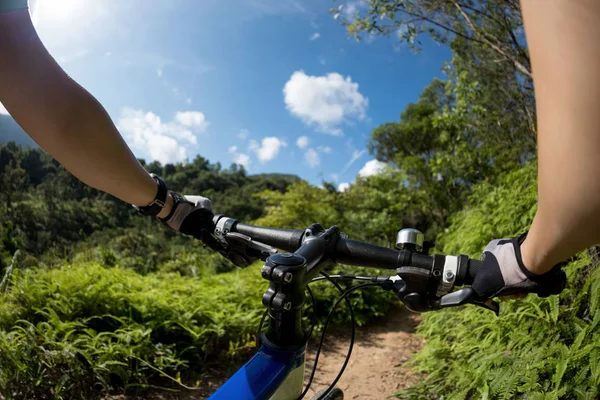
pixel 285 239
pixel 472 269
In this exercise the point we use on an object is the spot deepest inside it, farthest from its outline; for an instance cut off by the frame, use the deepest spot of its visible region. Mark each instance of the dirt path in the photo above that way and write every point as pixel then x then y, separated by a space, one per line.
pixel 376 369
pixel 377 366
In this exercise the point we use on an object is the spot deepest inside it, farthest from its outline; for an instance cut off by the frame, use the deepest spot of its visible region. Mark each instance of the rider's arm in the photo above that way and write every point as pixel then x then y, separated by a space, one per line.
pixel 565 53
pixel 63 118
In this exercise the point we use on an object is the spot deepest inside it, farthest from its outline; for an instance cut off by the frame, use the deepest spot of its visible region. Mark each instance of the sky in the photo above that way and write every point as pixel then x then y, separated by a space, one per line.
pixel 274 85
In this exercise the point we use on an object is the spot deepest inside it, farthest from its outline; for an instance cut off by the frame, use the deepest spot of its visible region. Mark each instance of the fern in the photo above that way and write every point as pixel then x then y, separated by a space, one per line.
pixel 538 348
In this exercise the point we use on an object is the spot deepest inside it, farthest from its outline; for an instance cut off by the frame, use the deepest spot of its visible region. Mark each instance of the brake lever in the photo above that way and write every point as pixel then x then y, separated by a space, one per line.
pixel 468 296
pixel 243 251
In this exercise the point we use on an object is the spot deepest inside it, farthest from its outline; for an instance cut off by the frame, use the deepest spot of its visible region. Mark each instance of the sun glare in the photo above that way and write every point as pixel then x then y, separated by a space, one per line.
pixel 60 10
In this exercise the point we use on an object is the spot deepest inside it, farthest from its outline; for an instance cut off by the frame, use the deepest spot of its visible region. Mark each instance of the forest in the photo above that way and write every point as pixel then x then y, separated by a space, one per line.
pixel 95 299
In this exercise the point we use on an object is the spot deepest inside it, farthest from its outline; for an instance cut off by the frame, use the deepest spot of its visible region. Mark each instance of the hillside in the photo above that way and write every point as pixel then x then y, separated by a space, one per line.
pixel 10 131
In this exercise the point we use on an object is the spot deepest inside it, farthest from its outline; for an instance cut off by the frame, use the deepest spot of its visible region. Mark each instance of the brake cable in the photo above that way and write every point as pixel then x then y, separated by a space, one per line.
pixel 372 281
pixel 344 297
pixel 354 277
pixel 314 314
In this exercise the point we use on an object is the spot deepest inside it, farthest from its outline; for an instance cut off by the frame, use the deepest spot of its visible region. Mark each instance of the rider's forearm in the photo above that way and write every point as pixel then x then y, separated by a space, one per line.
pixel 565 53
pixel 63 118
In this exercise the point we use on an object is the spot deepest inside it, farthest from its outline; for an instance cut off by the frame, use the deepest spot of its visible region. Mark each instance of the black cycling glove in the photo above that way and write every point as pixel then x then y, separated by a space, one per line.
pixel 191 215
pixel 503 273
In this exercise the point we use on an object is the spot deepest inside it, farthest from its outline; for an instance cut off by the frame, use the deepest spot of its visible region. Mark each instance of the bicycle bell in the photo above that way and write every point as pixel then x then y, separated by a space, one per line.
pixel 410 239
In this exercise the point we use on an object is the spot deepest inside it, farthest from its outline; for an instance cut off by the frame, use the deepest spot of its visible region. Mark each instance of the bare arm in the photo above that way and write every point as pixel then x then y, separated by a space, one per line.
pixel 563 38
pixel 63 118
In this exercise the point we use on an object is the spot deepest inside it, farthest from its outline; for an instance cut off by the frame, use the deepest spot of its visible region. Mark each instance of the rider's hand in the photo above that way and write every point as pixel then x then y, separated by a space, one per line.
pixel 502 272
pixel 191 216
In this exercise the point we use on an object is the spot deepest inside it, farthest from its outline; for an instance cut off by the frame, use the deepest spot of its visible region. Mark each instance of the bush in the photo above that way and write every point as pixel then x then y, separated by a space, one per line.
pixel 85 323
pixel 537 348
pixel 79 330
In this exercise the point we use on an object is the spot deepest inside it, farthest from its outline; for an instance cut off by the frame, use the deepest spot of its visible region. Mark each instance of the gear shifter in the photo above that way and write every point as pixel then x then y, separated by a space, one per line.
pixel 467 296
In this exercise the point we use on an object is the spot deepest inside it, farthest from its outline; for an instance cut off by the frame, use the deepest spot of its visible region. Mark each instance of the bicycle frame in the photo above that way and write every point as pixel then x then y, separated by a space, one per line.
pixel 271 374
pixel 276 371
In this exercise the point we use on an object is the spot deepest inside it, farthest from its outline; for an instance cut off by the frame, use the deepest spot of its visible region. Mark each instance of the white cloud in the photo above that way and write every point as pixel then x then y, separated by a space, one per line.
pixel 312 158
pixel 324 149
pixel 315 36
pixel 302 142
pixel 164 142
pixel 342 187
pixel 192 119
pixel 242 159
pixel 243 135
pixel 372 167
pixel 3 110
pixel 232 149
pixel 268 149
pixel 324 101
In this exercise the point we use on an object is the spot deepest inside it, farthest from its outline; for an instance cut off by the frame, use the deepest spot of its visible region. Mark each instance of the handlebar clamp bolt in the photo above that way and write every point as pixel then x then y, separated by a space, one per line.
pixel 266 271
pixel 287 278
pixel 449 275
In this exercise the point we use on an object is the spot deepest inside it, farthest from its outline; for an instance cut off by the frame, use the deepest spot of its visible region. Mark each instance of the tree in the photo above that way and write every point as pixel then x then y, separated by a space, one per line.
pixel 487 39
pixel 493 24
pixel 53 211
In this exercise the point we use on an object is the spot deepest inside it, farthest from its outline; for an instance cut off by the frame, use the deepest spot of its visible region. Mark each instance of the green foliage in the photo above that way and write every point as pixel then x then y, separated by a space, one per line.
pixel 537 348
pixel 46 212
pixel 503 209
pixel 482 123
pixel 85 325
pixel 81 329
pixel 302 205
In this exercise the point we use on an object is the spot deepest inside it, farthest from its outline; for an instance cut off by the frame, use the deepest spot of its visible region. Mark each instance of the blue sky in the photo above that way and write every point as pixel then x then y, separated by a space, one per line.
pixel 238 80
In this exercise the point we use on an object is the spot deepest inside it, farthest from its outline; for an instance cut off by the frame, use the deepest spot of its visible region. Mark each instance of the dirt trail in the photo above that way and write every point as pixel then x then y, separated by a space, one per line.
pixel 376 369
pixel 377 366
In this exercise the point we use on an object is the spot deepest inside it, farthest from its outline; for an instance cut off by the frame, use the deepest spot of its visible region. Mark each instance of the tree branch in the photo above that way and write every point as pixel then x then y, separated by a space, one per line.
pixel 488 16
pixel 515 41
pixel 444 27
pixel 517 64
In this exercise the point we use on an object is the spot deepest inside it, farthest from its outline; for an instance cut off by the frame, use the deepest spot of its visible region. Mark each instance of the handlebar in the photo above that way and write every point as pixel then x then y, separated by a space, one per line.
pixel 284 239
pixel 426 280
pixel 348 251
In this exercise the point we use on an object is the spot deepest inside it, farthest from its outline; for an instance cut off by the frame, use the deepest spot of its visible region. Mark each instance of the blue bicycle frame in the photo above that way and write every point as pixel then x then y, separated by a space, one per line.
pixel 276 371
pixel 271 374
